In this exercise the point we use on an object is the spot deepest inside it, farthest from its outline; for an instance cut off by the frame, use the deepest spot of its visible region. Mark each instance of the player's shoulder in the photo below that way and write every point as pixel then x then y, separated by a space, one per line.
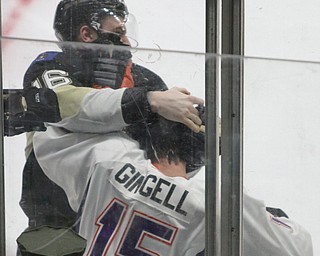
pixel 118 146
pixel 146 77
pixel 46 56
pixel 139 70
pixel 43 60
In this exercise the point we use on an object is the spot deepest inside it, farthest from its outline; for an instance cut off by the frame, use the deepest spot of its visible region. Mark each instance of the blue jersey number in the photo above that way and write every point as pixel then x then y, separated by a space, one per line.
pixel 139 227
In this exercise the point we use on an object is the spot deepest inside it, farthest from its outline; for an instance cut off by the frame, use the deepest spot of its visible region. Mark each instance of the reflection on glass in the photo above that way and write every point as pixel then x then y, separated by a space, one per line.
pixel 47 82
pixel 280 141
pixel 281 145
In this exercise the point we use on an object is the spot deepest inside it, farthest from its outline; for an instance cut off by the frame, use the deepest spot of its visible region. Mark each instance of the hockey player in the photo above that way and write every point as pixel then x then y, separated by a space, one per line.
pixel 129 205
pixel 74 74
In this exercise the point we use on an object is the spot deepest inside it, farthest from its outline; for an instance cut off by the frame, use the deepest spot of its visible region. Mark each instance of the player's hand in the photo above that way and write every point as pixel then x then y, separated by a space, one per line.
pixel 178 105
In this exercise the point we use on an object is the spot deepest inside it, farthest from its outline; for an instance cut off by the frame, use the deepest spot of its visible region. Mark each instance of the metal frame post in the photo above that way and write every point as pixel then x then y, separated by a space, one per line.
pixel 212 137
pixel 2 181
pixel 224 187
pixel 231 138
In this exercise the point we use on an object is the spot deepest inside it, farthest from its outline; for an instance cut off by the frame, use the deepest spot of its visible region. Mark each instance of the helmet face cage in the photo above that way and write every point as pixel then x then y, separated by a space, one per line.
pixel 116 11
pixel 72 14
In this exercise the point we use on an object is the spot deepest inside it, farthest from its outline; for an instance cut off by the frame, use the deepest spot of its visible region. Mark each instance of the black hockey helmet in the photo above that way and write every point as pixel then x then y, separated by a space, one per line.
pixel 72 14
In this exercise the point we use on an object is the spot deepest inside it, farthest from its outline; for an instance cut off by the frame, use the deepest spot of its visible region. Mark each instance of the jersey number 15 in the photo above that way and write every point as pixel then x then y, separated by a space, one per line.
pixel 138 227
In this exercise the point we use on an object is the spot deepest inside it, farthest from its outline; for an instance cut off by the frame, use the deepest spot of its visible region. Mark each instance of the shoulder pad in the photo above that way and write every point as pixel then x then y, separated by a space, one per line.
pixel 46 56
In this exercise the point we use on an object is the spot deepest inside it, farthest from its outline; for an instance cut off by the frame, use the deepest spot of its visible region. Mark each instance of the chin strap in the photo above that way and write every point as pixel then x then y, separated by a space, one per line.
pixel 108 38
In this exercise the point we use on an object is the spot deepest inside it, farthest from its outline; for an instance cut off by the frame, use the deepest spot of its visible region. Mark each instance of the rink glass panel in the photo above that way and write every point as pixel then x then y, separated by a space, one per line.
pixel 176 69
pixel 280 127
pixel 281 138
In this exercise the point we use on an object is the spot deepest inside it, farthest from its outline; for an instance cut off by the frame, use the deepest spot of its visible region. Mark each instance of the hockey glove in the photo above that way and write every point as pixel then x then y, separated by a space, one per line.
pixel 109 69
pixel 26 110
pixel 43 103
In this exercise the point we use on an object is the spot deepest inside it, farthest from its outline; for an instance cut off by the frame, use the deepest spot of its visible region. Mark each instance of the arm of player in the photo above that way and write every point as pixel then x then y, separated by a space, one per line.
pixel 101 111
pixel 90 110
pixel 265 234
pixel 86 109
pixel 81 109
pixel 136 104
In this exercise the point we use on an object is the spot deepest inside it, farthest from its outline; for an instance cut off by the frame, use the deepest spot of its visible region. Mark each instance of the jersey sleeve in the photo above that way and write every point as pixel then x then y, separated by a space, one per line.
pixel 265 234
pixel 86 109
pixel 90 110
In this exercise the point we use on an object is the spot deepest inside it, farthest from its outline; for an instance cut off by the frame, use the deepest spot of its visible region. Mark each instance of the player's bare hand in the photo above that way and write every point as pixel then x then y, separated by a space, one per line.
pixel 177 104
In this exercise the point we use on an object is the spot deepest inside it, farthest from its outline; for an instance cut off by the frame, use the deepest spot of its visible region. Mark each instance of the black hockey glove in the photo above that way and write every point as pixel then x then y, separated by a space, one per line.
pixel 108 72
pixel 43 103
pixel 22 122
pixel 109 69
pixel 101 66
pixel 40 105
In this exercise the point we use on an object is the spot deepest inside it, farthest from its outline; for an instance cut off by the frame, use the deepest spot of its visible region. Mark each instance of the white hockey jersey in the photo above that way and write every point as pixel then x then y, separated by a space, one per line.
pixel 127 206
pixel 108 179
pixel 267 235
